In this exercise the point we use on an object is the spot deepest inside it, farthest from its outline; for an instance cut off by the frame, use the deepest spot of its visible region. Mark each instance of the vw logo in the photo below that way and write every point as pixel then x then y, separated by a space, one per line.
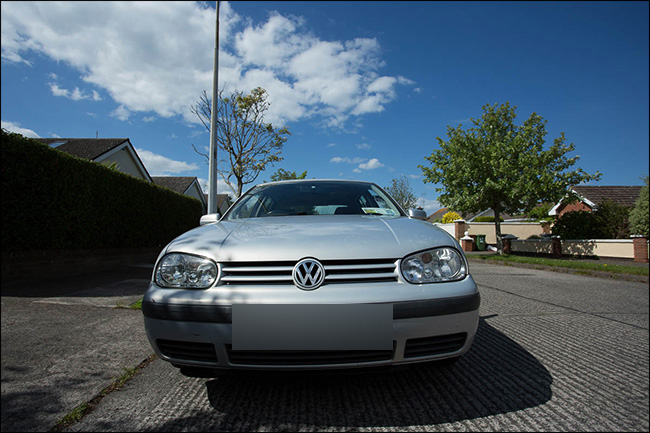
pixel 308 274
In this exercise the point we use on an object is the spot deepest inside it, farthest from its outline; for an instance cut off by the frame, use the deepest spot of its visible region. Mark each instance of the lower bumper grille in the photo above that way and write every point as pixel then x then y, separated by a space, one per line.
pixel 187 350
pixel 437 345
pixel 306 357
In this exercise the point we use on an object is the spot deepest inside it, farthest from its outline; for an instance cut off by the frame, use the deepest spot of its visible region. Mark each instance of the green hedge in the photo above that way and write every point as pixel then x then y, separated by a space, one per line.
pixel 53 200
pixel 486 219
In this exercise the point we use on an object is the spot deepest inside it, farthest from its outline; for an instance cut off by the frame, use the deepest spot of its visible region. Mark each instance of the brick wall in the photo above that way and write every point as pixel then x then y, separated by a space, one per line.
pixel 573 207
pixel 640 249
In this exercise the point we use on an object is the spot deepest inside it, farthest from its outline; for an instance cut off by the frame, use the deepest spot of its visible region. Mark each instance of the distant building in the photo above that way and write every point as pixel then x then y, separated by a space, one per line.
pixel 183 185
pixel 591 196
pixel 224 201
pixel 103 151
pixel 121 152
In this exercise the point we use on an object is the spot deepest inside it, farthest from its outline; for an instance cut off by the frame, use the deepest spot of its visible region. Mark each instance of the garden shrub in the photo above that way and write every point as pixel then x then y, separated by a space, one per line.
pixel 610 221
pixel 450 217
pixel 486 219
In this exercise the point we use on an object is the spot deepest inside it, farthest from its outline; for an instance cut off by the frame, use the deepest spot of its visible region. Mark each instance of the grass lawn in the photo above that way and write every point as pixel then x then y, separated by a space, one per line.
pixel 577 265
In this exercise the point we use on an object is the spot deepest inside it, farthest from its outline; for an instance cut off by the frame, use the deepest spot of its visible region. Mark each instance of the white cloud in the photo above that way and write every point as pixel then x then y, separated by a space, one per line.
pixel 338 159
pixel 158 165
pixel 364 146
pixel 382 84
pixel 57 91
pixel 371 164
pixel 76 94
pixel 222 187
pixel 157 57
pixel 429 206
pixel 15 127
pixel 121 113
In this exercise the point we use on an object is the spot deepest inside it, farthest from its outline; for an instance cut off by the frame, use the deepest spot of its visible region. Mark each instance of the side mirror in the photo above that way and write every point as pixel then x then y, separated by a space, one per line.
pixel 418 214
pixel 210 218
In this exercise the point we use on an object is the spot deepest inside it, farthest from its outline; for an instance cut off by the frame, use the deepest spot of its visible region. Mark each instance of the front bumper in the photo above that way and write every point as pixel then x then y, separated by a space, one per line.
pixel 199 333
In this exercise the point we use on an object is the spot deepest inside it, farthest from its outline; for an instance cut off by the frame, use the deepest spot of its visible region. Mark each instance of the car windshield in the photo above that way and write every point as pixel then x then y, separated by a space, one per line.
pixel 314 198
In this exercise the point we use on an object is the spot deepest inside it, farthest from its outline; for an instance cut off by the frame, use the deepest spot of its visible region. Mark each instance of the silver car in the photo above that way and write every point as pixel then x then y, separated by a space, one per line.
pixel 311 274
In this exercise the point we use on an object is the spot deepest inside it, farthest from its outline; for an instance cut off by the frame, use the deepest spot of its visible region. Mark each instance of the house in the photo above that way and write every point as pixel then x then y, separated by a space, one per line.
pixel 224 201
pixel 183 185
pixel 591 196
pixel 103 151
pixel 121 152
pixel 437 215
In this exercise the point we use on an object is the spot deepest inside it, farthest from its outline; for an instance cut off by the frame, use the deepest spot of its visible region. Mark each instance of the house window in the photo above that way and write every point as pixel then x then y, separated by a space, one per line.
pixel 56 144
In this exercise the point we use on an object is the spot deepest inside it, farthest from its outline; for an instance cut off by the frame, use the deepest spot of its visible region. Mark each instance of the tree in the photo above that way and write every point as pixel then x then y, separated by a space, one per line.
pixel 247 141
pixel 540 212
pixel 639 216
pixel 286 175
pixel 496 164
pixel 400 189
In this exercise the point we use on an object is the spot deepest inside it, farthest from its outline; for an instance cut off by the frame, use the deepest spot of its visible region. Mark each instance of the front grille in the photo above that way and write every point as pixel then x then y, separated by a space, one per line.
pixel 438 345
pixel 187 350
pixel 306 357
pixel 336 272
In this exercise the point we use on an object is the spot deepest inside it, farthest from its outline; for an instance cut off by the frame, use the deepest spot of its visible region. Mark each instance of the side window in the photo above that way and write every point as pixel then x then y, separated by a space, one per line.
pixel 379 200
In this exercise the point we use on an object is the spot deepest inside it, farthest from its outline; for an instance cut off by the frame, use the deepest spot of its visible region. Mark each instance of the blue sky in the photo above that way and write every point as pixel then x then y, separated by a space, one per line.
pixel 364 87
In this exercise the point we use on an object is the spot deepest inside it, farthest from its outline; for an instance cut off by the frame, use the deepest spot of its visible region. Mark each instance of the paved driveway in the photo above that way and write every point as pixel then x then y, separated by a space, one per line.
pixel 553 352
pixel 63 341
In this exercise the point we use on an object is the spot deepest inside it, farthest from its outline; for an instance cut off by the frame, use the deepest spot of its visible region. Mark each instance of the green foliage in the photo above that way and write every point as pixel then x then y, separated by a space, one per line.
pixel 282 174
pixel 111 165
pixel 400 189
pixel 639 216
pixel 610 221
pixel 575 225
pixel 540 212
pixel 497 164
pixel 613 220
pixel 486 219
pixel 53 200
pixel 450 217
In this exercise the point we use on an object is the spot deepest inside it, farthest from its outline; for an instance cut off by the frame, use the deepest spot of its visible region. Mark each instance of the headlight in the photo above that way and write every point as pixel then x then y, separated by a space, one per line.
pixel 433 266
pixel 186 271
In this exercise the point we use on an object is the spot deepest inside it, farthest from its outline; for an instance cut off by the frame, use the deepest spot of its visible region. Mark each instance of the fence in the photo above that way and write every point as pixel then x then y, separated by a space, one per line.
pixel 616 248
pixel 522 230
pixel 635 248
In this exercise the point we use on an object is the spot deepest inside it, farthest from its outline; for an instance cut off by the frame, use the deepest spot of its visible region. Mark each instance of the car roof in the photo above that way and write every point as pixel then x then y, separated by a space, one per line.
pixel 317 180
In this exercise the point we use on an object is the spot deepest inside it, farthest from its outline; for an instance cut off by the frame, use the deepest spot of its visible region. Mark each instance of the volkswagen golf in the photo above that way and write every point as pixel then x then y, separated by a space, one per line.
pixel 311 274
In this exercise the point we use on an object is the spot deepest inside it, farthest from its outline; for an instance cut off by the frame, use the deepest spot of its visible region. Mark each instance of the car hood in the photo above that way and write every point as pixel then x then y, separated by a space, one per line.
pixel 325 237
